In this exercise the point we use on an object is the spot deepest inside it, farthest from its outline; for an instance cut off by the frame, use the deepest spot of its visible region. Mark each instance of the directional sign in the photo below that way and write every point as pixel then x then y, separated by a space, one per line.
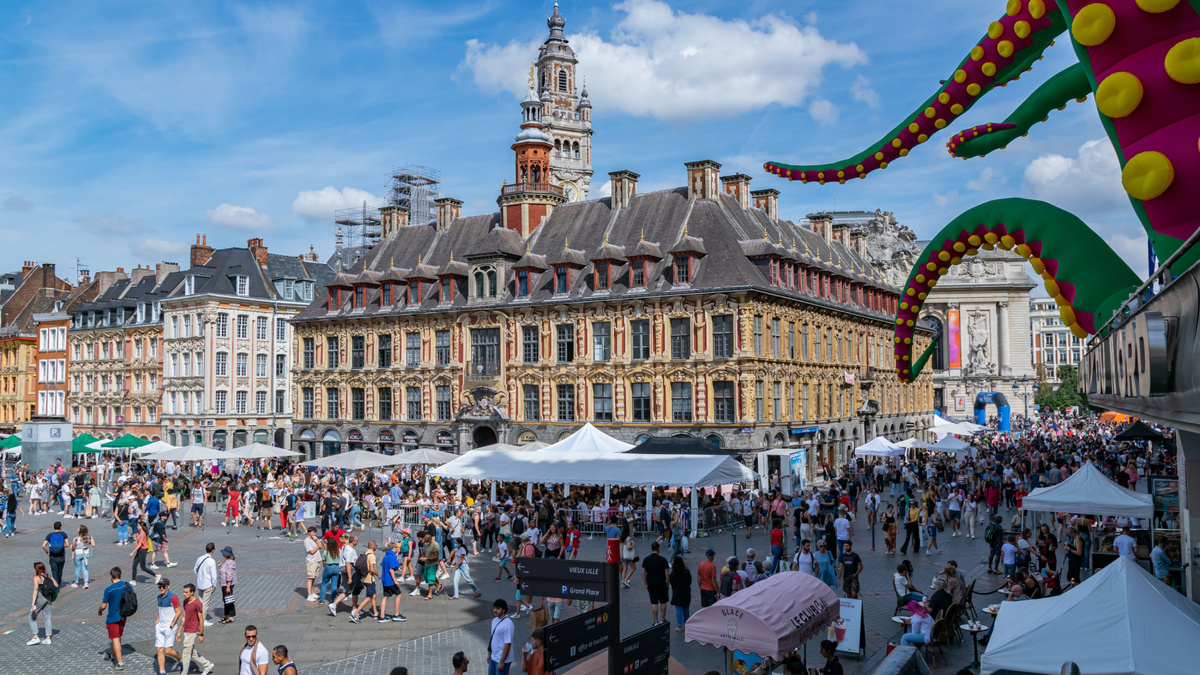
pixel 550 568
pixel 648 652
pixel 577 590
pixel 577 638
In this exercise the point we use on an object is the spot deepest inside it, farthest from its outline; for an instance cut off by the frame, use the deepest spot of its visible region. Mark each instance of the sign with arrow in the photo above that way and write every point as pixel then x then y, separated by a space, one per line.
pixel 648 652
pixel 550 568
pixel 575 590
pixel 577 638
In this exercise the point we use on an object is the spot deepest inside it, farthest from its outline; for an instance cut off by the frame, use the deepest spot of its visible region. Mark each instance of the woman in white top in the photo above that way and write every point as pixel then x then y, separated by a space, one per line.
pixel 82 545
pixel 921 627
pixel 970 508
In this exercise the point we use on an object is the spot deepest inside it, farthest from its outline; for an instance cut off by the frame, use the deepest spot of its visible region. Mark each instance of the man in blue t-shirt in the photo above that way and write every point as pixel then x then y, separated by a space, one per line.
pixel 55 547
pixel 110 609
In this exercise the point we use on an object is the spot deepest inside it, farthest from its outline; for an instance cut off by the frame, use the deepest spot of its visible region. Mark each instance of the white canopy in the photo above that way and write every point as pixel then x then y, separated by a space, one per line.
pixel 879 447
pixel 957 428
pixel 1121 621
pixel 592 468
pixel 354 460
pixel 153 448
pixel 915 443
pixel 424 455
pixel 939 421
pixel 189 453
pixel 588 439
pixel 949 444
pixel 1089 491
pixel 260 451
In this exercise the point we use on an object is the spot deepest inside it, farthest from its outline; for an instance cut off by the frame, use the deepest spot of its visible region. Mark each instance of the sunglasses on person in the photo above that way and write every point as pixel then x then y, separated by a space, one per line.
pixel 251 637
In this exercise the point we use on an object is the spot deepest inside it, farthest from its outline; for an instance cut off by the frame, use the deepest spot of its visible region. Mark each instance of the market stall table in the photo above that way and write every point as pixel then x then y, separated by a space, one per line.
pixel 974 629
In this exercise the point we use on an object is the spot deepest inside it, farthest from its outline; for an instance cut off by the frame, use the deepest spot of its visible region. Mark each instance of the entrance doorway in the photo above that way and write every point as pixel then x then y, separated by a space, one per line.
pixel 483 436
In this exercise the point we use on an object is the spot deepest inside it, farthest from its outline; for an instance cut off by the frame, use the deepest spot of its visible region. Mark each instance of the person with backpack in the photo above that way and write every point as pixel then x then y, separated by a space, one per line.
pixel 731 582
pixel 45 591
pixel 347 558
pixel 367 568
pixel 55 547
pixel 11 506
pixel 118 604
pixel 158 535
pixel 994 537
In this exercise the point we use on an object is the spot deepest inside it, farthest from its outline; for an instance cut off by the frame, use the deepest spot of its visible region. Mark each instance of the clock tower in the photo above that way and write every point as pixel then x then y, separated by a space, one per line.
pixel 566 112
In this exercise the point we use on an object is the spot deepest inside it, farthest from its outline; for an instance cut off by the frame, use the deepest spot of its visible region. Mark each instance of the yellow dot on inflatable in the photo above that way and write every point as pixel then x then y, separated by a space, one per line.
pixel 921 295
pixel 841 174
pixel 904 152
pixel 930 266
pixel 943 98
pixel 939 123
pixel 1024 251
pixel 908 341
pixel 1183 61
pixel 922 138
pixel 988 69
pixel 1013 7
pixel 1067 314
pixel 904 305
pixel 841 181
pixel 1037 264
pixel 883 165
pixel 973 240
pixel 991 238
pixel 960 75
pixel 862 175
pixel 1007 242
pixel 1157 6
pixel 943 256
pixel 943 270
pixel 972 251
pixel 859 168
pixel 910 292
pixel 878 155
pixel 1093 24
pixel 821 175
pixel 976 53
pixel 973 89
pixel 1005 48
pixel 987 247
pixel 930 112
pixel 1147 175
pixel 995 29
pixel 1021 28
pixel 955 260
pixel 896 340
pixel 1078 331
pixel 959 246
pixel 914 127
pixel 956 109
pixel 895 142
pixel 899 322
pixel 1051 287
pixel 1037 9
pixel 1119 94
pixel 932 283
pixel 920 278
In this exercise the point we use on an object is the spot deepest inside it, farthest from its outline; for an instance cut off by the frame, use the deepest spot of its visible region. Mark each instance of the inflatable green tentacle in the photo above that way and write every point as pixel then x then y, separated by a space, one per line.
pixel 1084 275
pixel 1071 83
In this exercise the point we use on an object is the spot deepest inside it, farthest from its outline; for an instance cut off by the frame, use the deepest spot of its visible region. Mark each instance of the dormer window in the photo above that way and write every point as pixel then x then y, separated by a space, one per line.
pixel 603 277
pixel 242 284
pixel 189 285
pixel 335 299
pixel 562 278
pixel 360 297
pixel 385 295
pixel 637 273
pixel 522 283
pixel 683 269
pixel 414 292
pixel 446 292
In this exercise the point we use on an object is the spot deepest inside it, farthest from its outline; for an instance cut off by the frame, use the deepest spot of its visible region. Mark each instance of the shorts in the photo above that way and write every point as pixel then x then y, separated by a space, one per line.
pixel 430 574
pixel 353 587
pixel 369 589
pixel 391 591
pixel 198 509
pixel 955 515
pixel 995 548
pixel 313 569
pixel 115 630
pixel 164 636
pixel 850 584
pixel 749 521
pixel 504 561
pixel 658 595
pixel 558 610
pixel 931 530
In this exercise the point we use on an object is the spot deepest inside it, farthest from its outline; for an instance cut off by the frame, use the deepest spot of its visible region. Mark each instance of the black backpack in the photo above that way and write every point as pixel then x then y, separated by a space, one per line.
pixel 518 525
pixel 129 603
pixel 992 534
pixel 361 567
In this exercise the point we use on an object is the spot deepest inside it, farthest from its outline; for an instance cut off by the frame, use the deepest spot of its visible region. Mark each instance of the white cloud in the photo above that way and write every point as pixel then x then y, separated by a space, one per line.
pixel 605 190
pixel 240 218
pixel 862 91
pixel 110 223
pixel 18 203
pixel 1130 244
pixel 989 179
pixel 823 111
pixel 1088 183
pixel 667 64
pixel 157 248
pixel 319 205
pixel 946 198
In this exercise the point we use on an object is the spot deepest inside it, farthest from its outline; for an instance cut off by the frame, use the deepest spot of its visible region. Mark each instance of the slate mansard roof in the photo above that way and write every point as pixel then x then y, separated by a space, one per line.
pixel 725 236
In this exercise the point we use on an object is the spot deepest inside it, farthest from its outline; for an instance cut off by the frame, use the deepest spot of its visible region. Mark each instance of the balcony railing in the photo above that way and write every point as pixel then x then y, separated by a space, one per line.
pixel 531 187
pixel 485 369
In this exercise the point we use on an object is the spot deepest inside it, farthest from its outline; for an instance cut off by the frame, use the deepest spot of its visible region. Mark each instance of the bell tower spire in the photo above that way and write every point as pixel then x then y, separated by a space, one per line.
pixel 566 111
pixel 533 195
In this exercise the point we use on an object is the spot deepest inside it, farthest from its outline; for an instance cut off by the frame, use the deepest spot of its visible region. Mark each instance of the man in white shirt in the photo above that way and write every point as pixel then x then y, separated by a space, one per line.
pixel 254 657
pixel 500 651
pixel 312 562
pixel 1125 544
pixel 803 561
pixel 206 578
pixel 844 530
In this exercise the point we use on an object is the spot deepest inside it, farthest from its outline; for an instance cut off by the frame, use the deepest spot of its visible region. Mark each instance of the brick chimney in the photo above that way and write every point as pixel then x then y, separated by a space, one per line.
pixel 858 240
pixel 448 211
pixel 822 224
pixel 27 267
pixel 391 219
pixel 624 187
pixel 702 179
pixel 257 250
pixel 738 187
pixel 162 269
pixel 768 201
pixel 201 251
pixel 139 273
pixel 106 279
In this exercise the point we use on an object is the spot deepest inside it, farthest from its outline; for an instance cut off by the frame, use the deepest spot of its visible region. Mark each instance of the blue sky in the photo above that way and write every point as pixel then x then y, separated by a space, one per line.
pixel 126 128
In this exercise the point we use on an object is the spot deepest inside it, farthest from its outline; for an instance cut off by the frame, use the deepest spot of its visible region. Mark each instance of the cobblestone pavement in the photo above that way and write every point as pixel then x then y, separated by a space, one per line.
pixel 271 595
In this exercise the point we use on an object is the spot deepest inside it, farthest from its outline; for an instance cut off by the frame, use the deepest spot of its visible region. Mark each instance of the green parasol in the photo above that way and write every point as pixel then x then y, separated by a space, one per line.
pixel 10 442
pixel 126 441
pixel 79 445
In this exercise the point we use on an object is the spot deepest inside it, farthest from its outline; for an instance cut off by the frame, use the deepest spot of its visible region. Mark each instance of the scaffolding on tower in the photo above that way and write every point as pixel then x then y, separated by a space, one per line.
pixel 358 230
pixel 414 187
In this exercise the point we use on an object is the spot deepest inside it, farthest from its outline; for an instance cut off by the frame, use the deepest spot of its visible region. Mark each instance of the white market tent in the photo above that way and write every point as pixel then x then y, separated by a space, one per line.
pixel 424 455
pixel 879 447
pixel 354 460
pixel 260 451
pixel 1089 491
pixel 588 439
pixel 1121 621
pixel 949 444
pixel 956 428
pixel 914 443
pixel 150 449
pixel 189 453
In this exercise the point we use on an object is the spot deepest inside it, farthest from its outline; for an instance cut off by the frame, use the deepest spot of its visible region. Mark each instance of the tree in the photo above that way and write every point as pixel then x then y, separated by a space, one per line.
pixel 1066 395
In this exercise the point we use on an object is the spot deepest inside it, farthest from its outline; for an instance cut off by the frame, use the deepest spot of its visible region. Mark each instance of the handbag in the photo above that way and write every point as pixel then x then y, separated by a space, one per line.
pixel 539 617
pixel 227 599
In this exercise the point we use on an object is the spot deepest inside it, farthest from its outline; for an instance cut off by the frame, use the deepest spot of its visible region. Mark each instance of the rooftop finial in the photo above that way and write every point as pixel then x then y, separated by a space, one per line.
pixel 419 260
pixel 606 239
pixel 643 233
pixel 451 255
pixel 766 237
pixel 393 263
pixel 793 244
pixel 781 237
pixel 566 240
pixel 532 70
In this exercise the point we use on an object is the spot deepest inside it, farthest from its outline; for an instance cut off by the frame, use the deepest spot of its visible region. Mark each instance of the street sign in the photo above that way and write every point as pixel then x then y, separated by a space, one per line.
pixel 577 638
pixel 648 652
pixel 563 588
pixel 550 568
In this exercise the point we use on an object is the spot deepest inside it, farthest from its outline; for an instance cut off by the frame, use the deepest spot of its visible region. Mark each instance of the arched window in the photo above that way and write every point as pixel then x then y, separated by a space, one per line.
pixel 557 145
pixel 575 147
pixel 479 284
pixel 938 360
pixel 491 278
pixel 562 80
